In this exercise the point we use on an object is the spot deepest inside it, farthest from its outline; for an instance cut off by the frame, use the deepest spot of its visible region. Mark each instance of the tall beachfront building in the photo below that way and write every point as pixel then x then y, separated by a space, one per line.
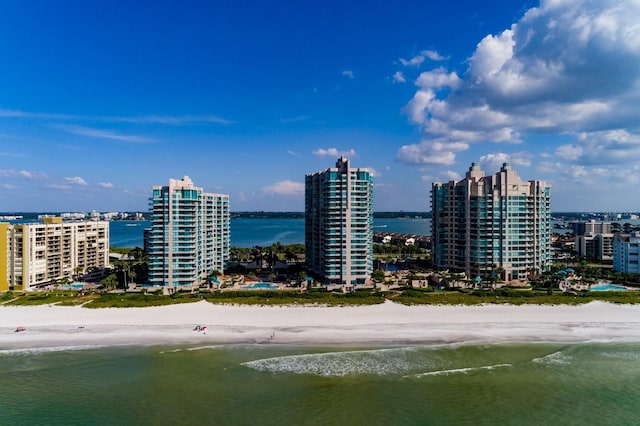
pixel 626 253
pixel 189 236
pixel 339 225
pixel 491 226
pixel 33 254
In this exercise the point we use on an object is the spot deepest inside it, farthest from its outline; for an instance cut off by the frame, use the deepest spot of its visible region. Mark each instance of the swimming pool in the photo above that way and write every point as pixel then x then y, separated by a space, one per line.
pixel 608 287
pixel 261 286
pixel 73 286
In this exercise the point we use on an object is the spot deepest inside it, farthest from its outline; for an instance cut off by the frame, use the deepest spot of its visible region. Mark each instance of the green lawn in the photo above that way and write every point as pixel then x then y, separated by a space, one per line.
pixel 321 297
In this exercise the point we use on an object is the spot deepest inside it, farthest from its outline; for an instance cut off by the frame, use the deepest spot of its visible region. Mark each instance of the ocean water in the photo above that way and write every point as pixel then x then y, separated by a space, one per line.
pixel 262 232
pixel 523 384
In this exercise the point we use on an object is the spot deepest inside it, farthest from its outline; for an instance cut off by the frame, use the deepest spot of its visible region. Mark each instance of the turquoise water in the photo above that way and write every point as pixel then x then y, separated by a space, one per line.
pixel 608 287
pixel 261 286
pixel 523 384
pixel 73 286
pixel 261 232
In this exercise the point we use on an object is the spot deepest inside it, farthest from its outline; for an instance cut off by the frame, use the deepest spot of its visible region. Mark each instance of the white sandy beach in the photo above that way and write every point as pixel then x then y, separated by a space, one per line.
pixel 388 323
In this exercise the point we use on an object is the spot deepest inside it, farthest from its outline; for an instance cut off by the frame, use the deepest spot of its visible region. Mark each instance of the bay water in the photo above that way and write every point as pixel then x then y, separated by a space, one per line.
pixel 493 384
pixel 251 232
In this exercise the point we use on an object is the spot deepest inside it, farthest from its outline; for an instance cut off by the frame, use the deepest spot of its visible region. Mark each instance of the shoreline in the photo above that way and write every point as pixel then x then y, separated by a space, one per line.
pixel 50 326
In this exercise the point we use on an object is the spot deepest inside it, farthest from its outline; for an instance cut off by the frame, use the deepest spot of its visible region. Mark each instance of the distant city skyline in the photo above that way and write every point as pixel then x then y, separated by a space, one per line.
pixel 99 102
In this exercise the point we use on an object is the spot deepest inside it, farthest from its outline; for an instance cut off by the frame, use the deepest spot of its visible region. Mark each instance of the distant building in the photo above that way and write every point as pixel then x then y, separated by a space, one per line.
pixel 591 227
pixel 339 224
pixel 189 236
pixel 626 253
pixel 491 226
pixel 593 240
pixel 34 254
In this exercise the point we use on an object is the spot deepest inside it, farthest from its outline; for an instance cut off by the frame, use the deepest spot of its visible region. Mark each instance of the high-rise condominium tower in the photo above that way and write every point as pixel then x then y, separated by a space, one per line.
pixel 339 224
pixel 189 235
pixel 491 226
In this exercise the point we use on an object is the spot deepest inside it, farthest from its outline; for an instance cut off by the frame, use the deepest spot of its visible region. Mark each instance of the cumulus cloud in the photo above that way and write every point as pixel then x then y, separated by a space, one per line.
pixel 76 180
pixel 431 152
pixel 602 147
pixel 451 175
pixel 107 185
pixel 570 68
pixel 399 77
pixel 348 73
pixel 418 59
pixel 333 152
pixel 493 162
pixel 285 187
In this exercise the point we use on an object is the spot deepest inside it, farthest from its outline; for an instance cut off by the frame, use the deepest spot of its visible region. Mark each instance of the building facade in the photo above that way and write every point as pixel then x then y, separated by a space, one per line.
pixel 339 225
pixel 491 226
pixel 189 236
pixel 34 254
pixel 626 253
pixel 594 240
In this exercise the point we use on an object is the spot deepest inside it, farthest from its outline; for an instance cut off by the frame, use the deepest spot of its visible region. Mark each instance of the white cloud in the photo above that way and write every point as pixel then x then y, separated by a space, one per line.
pixel 76 180
pixel 451 175
pixel 433 55
pixel 431 152
pixel 295 154
pixel 107 185
pixel 569 152
pixel 399 77
pixel 103 134
pixel 285 187
pixel 173 120
pixel 8 186
pixel 26 174
pixel 415 61
pixel 438 78
pixel 333 152
pixel 493 162
pixel 169 120
pixel 348 73
pixel 420 57
pixel 609 147
pixel 373 172
pixel 570 68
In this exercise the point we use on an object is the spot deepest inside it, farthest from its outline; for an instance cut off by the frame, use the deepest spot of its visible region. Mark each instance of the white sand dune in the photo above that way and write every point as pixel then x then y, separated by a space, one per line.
pixel 388 323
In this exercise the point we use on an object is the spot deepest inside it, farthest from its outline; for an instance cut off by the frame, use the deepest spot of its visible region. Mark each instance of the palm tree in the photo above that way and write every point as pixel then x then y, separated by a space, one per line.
pixel 290 256
pixel 257 256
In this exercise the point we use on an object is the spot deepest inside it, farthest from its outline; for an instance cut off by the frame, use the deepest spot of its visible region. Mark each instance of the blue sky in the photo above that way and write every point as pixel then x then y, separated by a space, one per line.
pixel 101 100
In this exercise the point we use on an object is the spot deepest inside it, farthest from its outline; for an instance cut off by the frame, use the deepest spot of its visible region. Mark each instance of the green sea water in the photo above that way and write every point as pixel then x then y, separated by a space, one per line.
pixel 501 384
